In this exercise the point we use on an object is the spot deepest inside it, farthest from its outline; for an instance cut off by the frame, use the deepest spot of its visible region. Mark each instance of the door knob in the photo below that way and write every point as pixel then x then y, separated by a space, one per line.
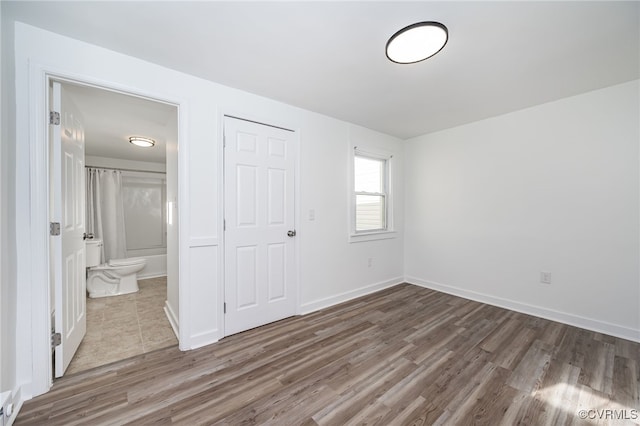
pixel 291 233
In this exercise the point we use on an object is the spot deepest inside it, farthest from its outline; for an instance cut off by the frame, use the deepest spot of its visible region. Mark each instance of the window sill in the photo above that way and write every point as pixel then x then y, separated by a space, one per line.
pixel 372 236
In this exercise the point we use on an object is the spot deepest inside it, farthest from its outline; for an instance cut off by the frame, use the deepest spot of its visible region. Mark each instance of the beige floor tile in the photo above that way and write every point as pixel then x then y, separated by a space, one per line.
pixel 125 324
pixel 151 317
pixel 157 334
pixel 120 327
pixel 152 346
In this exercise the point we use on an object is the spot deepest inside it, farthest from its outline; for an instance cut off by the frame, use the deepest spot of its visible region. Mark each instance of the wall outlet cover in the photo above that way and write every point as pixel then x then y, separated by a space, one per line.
pixel 545 277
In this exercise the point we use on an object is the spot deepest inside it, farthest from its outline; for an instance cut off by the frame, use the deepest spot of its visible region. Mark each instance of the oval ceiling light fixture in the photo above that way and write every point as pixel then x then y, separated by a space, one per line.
pixel 142 142
pixel 417 42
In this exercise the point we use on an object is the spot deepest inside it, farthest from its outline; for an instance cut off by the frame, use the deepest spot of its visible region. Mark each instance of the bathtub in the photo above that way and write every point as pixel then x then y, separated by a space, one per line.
pixel 156 266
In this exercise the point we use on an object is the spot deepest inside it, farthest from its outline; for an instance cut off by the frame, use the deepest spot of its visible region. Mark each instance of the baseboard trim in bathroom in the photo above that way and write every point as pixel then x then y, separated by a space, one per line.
pixel 172 317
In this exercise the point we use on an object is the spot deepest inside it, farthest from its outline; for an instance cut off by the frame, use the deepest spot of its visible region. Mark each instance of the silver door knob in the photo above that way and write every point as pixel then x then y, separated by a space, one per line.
pixel 291 233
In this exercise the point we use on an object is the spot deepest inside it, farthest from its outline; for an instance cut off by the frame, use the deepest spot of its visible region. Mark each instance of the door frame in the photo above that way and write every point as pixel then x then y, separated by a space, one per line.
pixel 39 79
pixel 271 122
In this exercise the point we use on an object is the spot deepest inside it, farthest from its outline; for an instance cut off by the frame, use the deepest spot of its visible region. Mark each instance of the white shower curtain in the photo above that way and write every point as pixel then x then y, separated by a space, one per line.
pixel 105 211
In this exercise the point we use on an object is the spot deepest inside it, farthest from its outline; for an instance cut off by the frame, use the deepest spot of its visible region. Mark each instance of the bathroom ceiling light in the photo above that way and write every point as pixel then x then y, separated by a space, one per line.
pixel 417 42
pixel 142 142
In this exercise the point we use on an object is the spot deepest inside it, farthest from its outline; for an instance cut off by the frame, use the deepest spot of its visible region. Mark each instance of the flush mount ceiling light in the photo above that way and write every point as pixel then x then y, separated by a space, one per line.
pixel 417 42
pixel 142 142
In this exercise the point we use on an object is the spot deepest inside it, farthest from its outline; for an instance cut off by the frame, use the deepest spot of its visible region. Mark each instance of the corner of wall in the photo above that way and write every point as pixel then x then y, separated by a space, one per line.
pixel 493 203
pixel 8 280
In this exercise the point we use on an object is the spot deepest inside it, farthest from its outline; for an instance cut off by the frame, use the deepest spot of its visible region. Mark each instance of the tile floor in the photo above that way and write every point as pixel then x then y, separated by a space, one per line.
pixel 120 327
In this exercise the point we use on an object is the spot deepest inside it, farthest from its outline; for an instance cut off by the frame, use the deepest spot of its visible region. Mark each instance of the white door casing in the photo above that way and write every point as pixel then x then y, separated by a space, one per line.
pixel 259 172
pixel 69 262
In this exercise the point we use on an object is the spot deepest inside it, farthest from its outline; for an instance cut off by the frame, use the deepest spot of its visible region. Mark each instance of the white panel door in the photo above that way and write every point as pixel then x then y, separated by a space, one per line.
pixel 69 263
pixel 260 284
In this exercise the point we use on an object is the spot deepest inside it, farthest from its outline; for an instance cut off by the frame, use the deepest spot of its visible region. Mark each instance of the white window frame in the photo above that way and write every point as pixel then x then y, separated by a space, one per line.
pixel 374 234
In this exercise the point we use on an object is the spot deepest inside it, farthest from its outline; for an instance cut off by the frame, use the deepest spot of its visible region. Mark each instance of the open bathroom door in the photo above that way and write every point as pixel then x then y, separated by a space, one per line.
pixel 68 210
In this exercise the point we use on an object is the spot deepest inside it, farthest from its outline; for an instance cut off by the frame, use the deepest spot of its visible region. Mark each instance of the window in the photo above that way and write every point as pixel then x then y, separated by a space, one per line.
pixel 370 176
pixel 144 200
pixel 371 204
pixel 370 196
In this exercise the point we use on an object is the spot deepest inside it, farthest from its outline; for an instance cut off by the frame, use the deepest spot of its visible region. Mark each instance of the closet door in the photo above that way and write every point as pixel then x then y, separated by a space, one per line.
pixel 260 279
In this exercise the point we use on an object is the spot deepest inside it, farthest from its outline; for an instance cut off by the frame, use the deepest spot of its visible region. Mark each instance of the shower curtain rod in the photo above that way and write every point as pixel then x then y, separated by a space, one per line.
pixel 123 170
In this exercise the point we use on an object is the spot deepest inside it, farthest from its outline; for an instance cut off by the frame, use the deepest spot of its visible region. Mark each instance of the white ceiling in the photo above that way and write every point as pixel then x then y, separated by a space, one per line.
pixel 110 118
pixel 329 57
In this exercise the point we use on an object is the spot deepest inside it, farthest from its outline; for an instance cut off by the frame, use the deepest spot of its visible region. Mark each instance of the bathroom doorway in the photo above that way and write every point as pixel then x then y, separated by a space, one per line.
pixel 119 326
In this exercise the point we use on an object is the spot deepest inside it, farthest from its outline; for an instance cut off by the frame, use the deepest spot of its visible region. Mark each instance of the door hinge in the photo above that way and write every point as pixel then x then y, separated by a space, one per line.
pixel 54 118
pixel 54 228
pixel 224 224
pixel 56 339
pixel 224 308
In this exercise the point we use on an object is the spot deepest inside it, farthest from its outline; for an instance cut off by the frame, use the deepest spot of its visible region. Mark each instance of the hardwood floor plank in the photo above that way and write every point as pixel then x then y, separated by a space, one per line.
pixel 530 371
pixel 625 379
pixel 410 388
pixel 484 400
pixel 364 392
pixel 513 415
pixel 447 381
pixel 557 395
pixel 401 414
pixel 404 355
pixel 511 354
pixel 501 336
pixel 291 404
pixel 598 366
pixel 457 408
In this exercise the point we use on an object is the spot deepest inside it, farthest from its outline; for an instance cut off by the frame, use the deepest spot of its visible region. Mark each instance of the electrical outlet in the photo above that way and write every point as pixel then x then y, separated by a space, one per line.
pixel 312 214
pixel 6 408
pixel 545 277
pixel 370 262
pixel 8 411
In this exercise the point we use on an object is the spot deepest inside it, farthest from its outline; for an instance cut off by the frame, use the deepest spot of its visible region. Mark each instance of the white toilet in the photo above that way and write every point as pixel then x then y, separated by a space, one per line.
pixel 117 276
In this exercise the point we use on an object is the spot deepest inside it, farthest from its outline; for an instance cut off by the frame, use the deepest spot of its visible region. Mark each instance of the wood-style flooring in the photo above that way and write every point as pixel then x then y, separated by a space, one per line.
pixel 405 355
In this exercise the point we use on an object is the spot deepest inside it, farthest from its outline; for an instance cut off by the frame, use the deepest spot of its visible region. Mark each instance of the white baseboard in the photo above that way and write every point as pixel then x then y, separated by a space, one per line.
pixel 151 275
pixel 173 319
pixel 202 339
pixel 316 305
pixel 193 342
pixel 538 311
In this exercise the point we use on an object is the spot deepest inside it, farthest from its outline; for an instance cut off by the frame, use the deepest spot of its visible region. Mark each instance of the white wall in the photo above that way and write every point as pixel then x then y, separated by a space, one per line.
pixel 328 260
pixel 119 163
pixel 8 278
pixel 330 270
pixel 2 201
pixel 555 188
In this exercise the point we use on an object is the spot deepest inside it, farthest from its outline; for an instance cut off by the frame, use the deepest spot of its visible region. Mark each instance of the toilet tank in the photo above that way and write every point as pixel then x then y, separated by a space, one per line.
pixel 94 248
